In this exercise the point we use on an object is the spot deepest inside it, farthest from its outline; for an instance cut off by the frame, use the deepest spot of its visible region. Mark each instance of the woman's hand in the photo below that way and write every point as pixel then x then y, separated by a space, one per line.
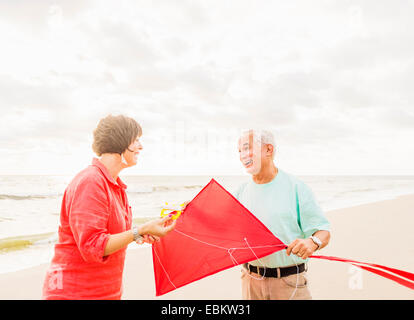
pixel 185 205
pixel 153 230
pixel 157 228
pixel 146 238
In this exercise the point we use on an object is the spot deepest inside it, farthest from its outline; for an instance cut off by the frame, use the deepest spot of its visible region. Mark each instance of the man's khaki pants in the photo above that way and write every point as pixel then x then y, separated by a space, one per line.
pixel 256 287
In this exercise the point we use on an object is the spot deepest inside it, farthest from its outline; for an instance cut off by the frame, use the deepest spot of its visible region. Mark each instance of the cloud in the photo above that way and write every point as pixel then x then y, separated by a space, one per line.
pixel 119 44
pixel 34 94
pixel 33 17
pixel 322 75
pixel 398 118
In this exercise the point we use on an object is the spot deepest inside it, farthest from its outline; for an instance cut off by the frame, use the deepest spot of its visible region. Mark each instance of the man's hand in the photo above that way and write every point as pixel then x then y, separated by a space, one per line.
pixel 303 248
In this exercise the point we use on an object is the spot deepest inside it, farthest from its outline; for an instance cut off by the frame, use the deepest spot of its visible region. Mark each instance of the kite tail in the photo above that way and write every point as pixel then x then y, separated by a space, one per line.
pixel 402 277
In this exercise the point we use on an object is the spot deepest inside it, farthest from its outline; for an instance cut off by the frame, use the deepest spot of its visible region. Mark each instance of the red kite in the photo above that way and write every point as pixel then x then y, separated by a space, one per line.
pixel 216 232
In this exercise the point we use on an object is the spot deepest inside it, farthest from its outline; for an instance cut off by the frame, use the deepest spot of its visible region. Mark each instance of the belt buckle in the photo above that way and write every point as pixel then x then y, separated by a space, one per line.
pixel 247 266
pixel 264 271
pixel 278 273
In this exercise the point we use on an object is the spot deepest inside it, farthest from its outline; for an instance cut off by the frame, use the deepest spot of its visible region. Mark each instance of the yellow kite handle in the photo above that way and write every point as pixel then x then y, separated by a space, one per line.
pixel 167 211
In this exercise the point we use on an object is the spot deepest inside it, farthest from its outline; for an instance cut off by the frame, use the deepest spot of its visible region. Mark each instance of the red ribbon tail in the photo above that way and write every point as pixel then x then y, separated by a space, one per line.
pixel 402 277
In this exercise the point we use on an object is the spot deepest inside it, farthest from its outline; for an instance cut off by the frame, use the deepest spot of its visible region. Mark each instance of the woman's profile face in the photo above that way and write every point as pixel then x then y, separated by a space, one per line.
pixel 131 154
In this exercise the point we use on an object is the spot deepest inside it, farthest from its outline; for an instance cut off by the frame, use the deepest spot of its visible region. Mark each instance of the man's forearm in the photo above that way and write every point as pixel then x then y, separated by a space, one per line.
pixel 324 236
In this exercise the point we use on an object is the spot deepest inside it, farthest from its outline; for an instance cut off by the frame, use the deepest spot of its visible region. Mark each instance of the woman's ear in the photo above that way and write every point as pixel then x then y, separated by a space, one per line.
pixel 123 159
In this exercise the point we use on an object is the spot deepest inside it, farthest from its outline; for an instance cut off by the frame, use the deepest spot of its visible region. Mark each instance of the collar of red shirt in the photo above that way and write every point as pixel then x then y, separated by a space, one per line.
pixel 100 165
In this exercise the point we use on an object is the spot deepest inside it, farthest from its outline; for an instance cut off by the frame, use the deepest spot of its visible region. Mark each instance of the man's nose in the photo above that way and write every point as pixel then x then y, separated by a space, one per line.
pixel 244 155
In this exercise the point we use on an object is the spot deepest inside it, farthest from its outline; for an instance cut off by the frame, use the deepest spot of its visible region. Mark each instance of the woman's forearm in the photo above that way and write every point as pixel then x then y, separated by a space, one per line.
pixel 121 240
pixel 157 227
pixel 118 241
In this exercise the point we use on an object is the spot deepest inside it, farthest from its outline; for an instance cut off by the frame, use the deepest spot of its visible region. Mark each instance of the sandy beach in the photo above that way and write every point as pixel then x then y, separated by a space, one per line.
pixel 378 232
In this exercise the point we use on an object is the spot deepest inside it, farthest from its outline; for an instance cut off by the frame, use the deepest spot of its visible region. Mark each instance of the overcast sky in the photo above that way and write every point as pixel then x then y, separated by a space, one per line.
pixel 332 79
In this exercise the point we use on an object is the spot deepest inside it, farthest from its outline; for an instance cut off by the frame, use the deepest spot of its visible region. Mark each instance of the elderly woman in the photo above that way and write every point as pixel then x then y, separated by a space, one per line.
pixel 96 219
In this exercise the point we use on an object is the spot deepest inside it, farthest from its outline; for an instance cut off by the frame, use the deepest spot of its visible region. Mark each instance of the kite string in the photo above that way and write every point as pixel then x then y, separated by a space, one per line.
pixel 209 244
pixel 248 273
pixel 165 271
pixel 297 280
pixel 297 271
pixel 233 259
pixel 225 248
pixel 230 252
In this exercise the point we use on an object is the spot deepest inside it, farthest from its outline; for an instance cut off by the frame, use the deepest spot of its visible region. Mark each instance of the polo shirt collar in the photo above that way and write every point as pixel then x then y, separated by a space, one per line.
pixel 107 175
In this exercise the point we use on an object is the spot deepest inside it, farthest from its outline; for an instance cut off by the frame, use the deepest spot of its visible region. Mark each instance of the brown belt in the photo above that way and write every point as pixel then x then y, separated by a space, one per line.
pixel 273 272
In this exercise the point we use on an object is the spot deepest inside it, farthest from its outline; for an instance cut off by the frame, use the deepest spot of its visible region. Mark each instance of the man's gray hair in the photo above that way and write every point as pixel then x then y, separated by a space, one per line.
pixel 262 136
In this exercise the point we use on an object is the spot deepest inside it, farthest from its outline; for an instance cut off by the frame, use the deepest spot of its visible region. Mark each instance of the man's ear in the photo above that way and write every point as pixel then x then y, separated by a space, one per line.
pixel 270 149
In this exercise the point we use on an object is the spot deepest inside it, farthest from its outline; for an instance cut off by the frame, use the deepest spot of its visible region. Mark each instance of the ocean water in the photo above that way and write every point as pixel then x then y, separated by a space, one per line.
pixel 30 205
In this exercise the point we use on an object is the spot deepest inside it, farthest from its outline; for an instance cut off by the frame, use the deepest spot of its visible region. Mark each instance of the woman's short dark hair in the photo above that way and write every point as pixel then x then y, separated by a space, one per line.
pixel 114 134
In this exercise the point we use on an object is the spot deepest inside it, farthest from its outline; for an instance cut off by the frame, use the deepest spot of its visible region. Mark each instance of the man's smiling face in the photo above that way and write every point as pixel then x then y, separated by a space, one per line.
pixel 250 152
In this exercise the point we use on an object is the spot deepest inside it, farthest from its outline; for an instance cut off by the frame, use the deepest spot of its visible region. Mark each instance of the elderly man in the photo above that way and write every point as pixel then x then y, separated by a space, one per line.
pixel 288 208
